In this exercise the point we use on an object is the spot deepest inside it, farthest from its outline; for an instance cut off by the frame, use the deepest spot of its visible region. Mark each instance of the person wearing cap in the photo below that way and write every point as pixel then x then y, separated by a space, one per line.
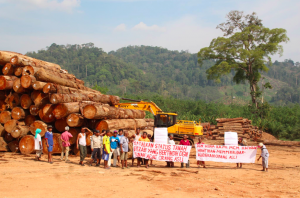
pixel 106 149
pixel 49 143
pixel 114 143
pixel 81 144
pixel 65 138
pixel 124 149
pixel 96 146
pixel 38 144
pixel 120 136
pixel 265 156
pixel 240 143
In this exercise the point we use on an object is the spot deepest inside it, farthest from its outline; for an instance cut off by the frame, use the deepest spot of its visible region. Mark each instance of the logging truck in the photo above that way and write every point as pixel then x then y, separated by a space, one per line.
pixel 178 128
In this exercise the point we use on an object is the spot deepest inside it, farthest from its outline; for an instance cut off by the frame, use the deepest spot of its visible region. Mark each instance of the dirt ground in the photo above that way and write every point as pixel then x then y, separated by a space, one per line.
pixel 21 176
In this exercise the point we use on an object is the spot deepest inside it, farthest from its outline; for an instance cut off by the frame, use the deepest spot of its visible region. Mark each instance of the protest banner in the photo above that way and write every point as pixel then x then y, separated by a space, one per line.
pixel 231 154
pixel 161 152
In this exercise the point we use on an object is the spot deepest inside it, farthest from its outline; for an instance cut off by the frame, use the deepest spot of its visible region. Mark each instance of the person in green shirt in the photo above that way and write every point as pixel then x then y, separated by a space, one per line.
pixel 106 148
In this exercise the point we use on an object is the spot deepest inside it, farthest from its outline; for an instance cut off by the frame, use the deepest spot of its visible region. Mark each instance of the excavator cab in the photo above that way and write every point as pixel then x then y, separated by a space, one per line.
pixel 165 119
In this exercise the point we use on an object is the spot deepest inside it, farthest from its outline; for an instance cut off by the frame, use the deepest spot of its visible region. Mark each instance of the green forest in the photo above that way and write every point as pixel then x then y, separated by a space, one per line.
pixel 175 82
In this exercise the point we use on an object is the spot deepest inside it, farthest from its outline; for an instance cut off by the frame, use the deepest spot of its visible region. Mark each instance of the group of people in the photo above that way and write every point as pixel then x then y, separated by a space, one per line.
pixel 104 146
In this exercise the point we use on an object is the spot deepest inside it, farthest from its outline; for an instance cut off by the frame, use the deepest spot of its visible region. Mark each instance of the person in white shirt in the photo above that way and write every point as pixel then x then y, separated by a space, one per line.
pixel 172 142
pixel 38 144
pixel 137 136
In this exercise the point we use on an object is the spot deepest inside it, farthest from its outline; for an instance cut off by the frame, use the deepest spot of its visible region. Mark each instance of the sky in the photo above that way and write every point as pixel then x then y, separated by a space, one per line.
pixel 31 25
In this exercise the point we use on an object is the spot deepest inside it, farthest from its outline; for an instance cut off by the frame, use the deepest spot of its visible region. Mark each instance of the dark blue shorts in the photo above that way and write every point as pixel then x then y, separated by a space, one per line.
pixel 50 148
pixel 105 156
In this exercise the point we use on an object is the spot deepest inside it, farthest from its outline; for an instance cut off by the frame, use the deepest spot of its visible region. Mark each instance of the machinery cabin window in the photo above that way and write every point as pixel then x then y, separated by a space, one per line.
pixel 164 120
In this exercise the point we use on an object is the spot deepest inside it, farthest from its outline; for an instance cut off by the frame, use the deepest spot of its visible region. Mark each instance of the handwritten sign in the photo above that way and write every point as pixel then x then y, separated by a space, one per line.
pixel 232 154
pixel 161 152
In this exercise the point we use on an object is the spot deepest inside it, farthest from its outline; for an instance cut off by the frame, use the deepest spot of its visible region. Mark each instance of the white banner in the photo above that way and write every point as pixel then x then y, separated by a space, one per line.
pixel 232 154
pixel 161 152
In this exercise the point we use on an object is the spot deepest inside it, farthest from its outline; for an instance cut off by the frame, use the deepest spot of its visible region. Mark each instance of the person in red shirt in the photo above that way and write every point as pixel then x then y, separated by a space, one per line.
pixel 185 142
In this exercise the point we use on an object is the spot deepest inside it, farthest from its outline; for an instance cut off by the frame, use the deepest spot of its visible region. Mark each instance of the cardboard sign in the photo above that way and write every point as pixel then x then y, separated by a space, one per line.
pixel 231 138
pixel 161 135
pixel 161 152
pixel 232 154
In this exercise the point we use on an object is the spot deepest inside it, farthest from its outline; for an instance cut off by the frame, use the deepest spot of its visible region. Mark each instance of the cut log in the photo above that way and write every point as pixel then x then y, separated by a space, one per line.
pixel 121 124
pixel 18 113
pixel 10 125
pixel 5 116
pixel 39 99
pixel 57 144
pixel 38 85
pixel 75 120
pixel 38 125
pixel 42 75
pixel 6 82
pixel 100 111
pixel 7 137
pixel 27 81
pixel 29 119
pixel 13 100
pixel 18 71
pixel 88 138
pixel 55 88
pixel 64 109
pixel 77 97
pixel 60 124
pixel 3 105
pixel 14 146
pixel 18 87
pixel 22 60
pixel 74 132
pixel 3 95
pixel 26 145
pixel 34 110
pixel 8 69
pixel 5 56
pixel 3 145
pixel 2 130
pixel 20 131
pixel 26 101
pixel 228 119
pixel 46 114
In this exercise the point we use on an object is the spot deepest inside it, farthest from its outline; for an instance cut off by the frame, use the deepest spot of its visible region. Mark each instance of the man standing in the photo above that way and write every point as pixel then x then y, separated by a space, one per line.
pixel 114 143
pixel 38 144
pixel 49 143
pixel 81 145
pixel 65 137
pixel 120 136
pixel 124 149
pixel 144 138
pixel 185 142
pixel 106 149
pixel 137 136
pixel 96 146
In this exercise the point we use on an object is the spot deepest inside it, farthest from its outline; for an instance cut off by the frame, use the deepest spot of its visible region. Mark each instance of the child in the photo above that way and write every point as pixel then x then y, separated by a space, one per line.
pixel 265 156
pixel 199 162
pixel 38 144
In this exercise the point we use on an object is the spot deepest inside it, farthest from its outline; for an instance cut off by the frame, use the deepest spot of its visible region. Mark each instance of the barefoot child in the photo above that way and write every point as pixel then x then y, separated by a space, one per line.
pixel 265 156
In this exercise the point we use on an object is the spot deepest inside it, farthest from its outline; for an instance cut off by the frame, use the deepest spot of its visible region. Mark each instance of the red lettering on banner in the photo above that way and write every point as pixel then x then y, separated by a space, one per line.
pixel 234 147
pixel 232 157
pixel 179 148
pixel 178 159
pixel 209 146
pixel 152 151
pixel 163 146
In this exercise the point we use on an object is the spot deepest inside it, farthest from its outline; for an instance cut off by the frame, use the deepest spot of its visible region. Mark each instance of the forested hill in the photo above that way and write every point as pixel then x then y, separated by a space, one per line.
pixel 148 70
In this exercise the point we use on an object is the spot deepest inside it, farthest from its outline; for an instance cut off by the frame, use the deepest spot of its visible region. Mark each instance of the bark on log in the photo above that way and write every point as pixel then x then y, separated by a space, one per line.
pixel 57 144
pixel 3 105
pixel 8 69
pixel 5 57
pixel 55 88
pixel 38 125
pixel 228 119
pixel 18 71
pixel 26 145
pixel 5 116
pixel 60 124
pixel 42 75
pixel 39 98
pixel 3 145
pixel 46 114
pixel 10 125
pixel 100 111
pixel 77 97
pixel 29 119
pixel 18 113
pixel 27 81
pixel 74 132
pixel 2 131
pixel 38 85
pixel 34 110
pixel 18 87
pixel 26 101
pixel 88 138
pixel 14 146
pixel 13 100
pixel 20 131
pixel 75 120
pixel 6 82
pixel 22 60
pixel 64 109
pixel 121 124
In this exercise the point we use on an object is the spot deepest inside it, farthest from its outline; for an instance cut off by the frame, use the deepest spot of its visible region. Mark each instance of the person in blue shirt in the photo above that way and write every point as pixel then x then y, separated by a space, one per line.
pixel 114 144
pixel 120 136
pixel 49 143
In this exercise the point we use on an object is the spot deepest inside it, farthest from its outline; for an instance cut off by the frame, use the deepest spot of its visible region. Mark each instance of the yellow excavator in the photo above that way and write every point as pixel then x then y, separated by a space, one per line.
pixel 166 119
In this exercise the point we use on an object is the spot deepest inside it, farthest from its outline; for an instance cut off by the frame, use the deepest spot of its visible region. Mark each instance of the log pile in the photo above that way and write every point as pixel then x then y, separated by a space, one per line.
pixel 36 93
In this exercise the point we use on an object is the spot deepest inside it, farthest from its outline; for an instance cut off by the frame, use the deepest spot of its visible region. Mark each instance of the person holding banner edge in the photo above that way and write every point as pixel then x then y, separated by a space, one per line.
pixel 144 138
pixel 136 138
pixel 240 143
pixel 185 142
pixel 200 162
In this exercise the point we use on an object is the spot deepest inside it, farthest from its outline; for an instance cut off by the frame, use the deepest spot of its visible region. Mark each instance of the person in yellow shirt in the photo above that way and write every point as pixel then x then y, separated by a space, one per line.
pixel 106 149
pixel 144 138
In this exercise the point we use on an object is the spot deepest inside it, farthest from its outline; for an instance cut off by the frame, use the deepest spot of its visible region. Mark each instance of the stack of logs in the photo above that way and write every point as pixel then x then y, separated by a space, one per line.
pixel 36 93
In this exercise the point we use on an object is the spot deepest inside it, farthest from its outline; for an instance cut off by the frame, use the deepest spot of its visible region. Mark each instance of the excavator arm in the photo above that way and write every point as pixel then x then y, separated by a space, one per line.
pixel 140 105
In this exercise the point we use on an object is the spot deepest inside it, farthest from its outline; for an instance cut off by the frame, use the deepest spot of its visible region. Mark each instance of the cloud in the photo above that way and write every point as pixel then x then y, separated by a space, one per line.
pixel 61 5
pixel 143 26
pixel 121 27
